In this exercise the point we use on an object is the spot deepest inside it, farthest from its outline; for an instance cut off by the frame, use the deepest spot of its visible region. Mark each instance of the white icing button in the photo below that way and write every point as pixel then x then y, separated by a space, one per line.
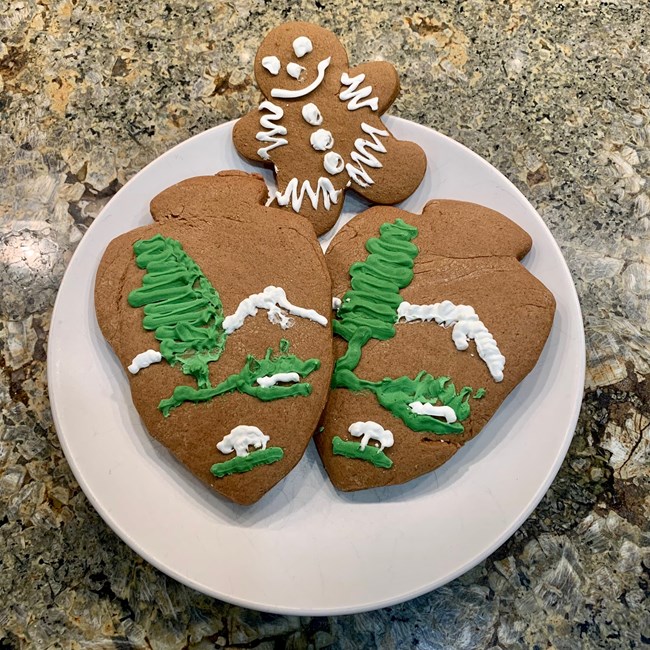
pixel 302 45
pixel 321 140
pixel 312 115
pixel 272 64
pixel 333 163
pixel 294 70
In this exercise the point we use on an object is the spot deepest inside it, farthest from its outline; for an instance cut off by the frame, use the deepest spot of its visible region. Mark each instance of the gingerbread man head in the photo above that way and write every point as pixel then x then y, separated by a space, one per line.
pixel 319 126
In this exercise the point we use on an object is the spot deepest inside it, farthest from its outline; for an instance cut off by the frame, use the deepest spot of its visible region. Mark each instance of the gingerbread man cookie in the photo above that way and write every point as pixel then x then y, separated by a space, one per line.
pixel 319 126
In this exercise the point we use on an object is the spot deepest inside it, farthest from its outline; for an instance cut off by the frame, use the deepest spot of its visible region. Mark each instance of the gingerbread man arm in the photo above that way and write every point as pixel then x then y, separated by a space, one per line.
pixel 381 77
pixel 247 129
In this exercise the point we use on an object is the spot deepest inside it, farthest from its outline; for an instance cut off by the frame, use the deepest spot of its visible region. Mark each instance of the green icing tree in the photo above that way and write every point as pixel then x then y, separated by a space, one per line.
pixel 180 305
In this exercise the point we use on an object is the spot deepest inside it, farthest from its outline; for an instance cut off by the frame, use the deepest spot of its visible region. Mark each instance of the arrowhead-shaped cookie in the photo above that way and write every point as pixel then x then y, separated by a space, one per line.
pixel 219 313
pixel 437 321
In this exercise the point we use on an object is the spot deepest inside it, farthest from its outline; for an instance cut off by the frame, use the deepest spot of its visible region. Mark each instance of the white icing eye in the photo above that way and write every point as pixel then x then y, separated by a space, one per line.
pixel 294 70
pixel 312 115
pixel 321 140
pixel 272 64
pixel 333 163
pixel 302 45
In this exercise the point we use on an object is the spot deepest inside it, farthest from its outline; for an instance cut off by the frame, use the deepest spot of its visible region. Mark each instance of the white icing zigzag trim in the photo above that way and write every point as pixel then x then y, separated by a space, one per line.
pixel 466 326
pixel 363 157
pixel 274 300
pixel 324 187
pixel 272 130
pixel 355 95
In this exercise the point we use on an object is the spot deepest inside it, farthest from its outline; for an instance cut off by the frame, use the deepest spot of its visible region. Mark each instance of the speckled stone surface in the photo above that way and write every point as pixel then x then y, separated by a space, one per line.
pixel 554 94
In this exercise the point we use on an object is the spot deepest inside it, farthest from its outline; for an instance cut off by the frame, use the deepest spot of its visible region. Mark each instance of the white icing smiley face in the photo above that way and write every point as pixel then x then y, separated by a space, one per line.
pixel 301 47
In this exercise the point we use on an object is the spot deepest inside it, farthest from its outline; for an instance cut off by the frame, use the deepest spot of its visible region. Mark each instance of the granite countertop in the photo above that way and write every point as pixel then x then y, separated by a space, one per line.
pixel 554 94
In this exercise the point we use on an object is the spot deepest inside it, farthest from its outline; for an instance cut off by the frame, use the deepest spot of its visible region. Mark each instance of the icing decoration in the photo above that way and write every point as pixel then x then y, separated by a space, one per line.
pixel 355 96
pixel 467 326
pixel 333 163
pixel 371 431
pixel 479 393
pixel 370 310
pixel 321 140
pixel 372 301
pixel 301 46
pixel 363 157
pixel 274 300
pixel 271 130
pixel 283 93
pixel 272 64
pixel 353 450
pixel 180 306
pixel 324 188
pixel 336 303
pixel 312 115
pixel 239 464
pixel 425 408
pixel 245 381
pixel 144 360
pixel 294 70
pixel 238 440
pixel 278 378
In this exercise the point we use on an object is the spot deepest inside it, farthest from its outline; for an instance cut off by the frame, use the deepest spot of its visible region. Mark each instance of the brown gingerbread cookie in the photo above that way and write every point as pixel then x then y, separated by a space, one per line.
pixel 219 314
pixel 436 322
pixel 319 126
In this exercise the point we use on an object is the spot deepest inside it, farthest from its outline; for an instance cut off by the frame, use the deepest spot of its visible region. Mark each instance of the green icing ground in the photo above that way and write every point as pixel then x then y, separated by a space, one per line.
pixel 241 464
pixel 353 450
pixel 245 381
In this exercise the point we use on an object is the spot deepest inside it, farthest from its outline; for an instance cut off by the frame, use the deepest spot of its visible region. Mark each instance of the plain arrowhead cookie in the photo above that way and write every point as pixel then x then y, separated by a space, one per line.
pixel 436 322
pixel 219 313
pixel 319 126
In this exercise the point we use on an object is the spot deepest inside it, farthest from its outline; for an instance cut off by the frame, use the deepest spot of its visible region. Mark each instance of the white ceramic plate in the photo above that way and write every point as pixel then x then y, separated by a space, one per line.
pixel 306 548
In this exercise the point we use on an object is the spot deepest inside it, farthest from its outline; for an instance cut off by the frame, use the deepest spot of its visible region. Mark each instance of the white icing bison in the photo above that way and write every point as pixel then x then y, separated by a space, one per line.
pixel 371 431
pixel 240 438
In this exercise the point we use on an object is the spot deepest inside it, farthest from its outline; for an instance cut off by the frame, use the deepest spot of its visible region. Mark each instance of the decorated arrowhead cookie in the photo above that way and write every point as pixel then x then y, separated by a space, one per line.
pixel 219 313
pixel 436 321
pixel 319 126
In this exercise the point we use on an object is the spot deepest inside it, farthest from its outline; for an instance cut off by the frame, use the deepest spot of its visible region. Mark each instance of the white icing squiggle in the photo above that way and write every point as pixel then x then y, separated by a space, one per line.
pixel 354 95
pixel 312 115
pixel 283 93
pixel 272 64
pixel 363 157
pixel 301 46
pixel 272 130
pixel 336 303
pixel 274 300
pixel 278 378
pixel 321 140
pixel 240 438
pixel 294 70
pixel 371 431
pixel 466 326
pixel 291 194
pixel 144 360
pixel 333 163
pixel 420 408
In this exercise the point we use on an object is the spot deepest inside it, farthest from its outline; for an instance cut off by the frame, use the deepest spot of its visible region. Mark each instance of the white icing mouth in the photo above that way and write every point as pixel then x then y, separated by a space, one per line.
pixel 283 93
